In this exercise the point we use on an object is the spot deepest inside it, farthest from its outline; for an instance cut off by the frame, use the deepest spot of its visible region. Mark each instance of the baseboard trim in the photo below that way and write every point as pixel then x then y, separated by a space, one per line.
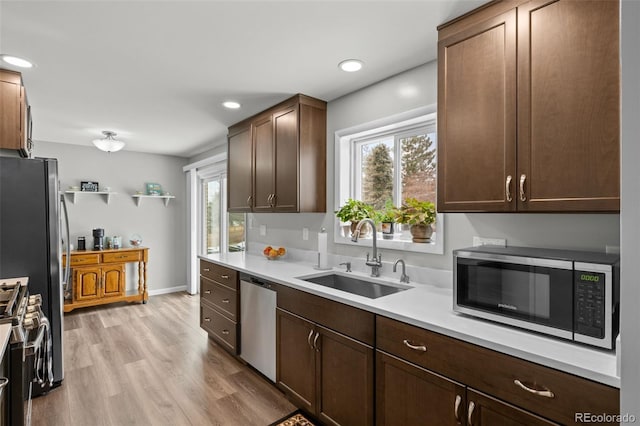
pixel 159 291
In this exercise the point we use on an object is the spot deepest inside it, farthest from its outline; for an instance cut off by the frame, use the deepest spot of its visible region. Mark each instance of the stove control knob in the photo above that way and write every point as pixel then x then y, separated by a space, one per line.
pixel 36 299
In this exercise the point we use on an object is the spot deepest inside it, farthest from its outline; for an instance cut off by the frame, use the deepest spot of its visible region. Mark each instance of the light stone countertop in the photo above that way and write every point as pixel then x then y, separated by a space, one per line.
pixel 430 307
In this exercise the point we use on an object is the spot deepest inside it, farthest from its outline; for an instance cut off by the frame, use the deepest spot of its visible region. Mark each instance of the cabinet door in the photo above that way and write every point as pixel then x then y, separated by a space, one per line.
pixel 409 395
pixel 345 375
pixel 11 105
pixel 485 410
pixel 295 359
pixel 87 283
pixel 285 125
pixel 112 283
pixel 569 105
pixel 264 165
pixel 477 117
pixel 239 171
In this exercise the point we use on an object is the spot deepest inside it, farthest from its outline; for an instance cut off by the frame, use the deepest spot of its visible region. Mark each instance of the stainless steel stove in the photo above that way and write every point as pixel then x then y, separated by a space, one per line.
pixel 29 352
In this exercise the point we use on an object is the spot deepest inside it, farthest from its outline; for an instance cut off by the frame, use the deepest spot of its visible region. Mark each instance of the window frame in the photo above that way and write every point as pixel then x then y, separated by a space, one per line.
pixel 346 180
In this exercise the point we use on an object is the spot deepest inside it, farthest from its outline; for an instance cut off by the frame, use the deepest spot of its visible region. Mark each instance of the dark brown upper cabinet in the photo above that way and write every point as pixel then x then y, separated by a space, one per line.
pixel 529 108
pixel 277 159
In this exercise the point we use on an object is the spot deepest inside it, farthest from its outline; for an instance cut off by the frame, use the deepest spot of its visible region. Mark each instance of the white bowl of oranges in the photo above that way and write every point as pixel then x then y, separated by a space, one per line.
pixel 273 253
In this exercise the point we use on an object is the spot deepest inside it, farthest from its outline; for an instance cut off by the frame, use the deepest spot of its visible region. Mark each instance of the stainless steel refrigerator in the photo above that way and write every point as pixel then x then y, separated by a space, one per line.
pixel 30 237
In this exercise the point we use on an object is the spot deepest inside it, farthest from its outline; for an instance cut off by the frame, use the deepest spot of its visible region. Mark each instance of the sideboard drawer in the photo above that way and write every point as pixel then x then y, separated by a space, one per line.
pixel 85 259
pixel 127 256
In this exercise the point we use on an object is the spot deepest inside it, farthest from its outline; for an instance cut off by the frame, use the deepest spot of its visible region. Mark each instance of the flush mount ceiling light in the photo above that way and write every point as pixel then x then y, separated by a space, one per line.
pixel 350 65
pixel 231 104
pixel 16 61
pixel 108 143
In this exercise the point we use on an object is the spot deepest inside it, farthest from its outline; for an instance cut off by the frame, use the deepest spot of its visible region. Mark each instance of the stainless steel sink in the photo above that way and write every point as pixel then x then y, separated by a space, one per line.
pixel 361 287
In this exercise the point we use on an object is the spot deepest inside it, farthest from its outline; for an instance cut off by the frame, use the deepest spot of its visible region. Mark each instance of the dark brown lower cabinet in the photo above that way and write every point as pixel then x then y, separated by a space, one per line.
pixel 410 395
pixel 326 373
pixel 485 410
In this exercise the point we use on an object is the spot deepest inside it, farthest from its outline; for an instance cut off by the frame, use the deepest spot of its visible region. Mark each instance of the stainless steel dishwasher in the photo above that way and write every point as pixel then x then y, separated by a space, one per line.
pixel 258 324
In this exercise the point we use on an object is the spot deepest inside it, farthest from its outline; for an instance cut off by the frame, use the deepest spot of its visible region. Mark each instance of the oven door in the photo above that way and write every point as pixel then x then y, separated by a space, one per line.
pixel 532 293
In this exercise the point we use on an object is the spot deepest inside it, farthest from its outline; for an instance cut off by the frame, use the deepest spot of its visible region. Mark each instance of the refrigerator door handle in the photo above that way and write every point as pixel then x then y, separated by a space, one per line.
pixel 67 267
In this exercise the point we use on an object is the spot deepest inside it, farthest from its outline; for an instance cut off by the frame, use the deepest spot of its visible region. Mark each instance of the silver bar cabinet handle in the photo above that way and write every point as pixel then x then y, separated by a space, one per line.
pixel 315 340
pixel 249 200
pixel 472 406
pixel 522 179
pixel 421 348
pixel 225 332
pixel 207 292
pixel 225 300
pixel 206 269
pixel 207 319
pixel 226 277
pixel 544 392
pixel 508 188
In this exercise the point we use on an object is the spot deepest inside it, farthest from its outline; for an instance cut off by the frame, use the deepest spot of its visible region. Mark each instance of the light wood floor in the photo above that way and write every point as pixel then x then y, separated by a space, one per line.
pixel 153 365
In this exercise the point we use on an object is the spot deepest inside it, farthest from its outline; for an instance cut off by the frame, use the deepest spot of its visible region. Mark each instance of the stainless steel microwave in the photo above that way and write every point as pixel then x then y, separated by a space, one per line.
pixel 573 295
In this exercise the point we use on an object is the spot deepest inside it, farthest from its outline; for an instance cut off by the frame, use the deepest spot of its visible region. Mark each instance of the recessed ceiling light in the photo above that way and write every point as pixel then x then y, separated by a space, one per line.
pixel 231 104
pixel 350 65
pixel 18 62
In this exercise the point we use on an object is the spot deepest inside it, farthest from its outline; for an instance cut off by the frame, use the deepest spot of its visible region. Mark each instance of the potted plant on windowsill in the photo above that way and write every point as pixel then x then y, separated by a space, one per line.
pixel 420 215
pixel 386 217
pixel 354 211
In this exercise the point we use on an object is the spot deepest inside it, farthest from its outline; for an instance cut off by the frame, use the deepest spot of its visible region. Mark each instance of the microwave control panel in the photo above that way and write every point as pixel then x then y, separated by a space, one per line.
pixel 590 303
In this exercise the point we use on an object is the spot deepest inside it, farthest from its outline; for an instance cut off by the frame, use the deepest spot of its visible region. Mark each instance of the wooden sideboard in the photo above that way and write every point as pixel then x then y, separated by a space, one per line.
pixel 98 277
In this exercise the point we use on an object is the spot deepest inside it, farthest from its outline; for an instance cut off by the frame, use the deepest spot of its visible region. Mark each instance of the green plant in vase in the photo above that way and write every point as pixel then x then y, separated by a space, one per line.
pixel 420 215
pixel 386 217
pixel 354 211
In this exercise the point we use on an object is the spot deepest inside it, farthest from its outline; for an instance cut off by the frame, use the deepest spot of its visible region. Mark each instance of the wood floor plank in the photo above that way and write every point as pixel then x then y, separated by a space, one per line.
pixel 152 364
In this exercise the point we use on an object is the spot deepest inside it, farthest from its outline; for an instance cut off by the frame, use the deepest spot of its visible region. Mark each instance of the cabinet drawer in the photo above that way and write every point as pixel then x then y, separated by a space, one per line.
pixel 224 298
pixel 220 274
pixel 85 259
pixel 496 373
pixel 127 256
pixel 219 327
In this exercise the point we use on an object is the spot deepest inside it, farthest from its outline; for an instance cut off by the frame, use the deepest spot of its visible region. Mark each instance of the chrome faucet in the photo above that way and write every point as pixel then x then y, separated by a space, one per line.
pixel 404 278
pixel 376 262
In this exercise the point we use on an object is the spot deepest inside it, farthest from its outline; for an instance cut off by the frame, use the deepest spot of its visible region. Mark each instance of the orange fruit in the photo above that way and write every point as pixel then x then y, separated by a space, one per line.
pixel 281 251
pixel 266 250
pixel 273 253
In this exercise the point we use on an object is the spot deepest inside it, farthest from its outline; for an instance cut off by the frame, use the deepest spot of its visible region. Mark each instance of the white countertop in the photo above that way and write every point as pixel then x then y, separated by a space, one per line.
pixel 430 307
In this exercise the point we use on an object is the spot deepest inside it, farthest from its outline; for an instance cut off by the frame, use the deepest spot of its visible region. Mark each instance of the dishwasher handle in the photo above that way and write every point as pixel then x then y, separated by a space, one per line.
pixel 256 281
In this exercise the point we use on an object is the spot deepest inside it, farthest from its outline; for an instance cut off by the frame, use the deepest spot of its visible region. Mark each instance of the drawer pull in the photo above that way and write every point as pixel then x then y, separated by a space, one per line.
pixel 225 300
pixel 523 197
pixel 456 407
pixel 206 269
pixel 472 406
pixel 508 188
pixel 207 292
pixel 543 392
pixel 315 340
pixel 225 332
pixel 207 320
pixel 226 277
pixel 421 348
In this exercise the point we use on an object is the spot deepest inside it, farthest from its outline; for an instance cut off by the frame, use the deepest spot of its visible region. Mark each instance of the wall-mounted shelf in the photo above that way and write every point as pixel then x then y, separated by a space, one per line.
pixel 166 198
pixel 73 194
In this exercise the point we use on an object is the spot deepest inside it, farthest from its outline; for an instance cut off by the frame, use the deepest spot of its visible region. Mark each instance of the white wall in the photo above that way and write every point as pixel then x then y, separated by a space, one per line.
pixel 162 228
pixel 404 92
pixel 630 231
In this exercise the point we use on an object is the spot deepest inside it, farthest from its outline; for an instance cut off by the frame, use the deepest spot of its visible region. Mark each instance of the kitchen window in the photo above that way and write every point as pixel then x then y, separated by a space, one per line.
pixel 388 161
pixel 220 231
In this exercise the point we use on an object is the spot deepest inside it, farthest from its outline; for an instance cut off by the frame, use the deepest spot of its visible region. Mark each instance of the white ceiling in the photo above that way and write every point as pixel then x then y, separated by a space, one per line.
pixel 156 72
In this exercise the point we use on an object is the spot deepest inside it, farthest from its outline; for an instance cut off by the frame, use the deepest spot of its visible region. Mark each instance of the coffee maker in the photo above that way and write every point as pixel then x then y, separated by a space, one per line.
pixel 98 239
